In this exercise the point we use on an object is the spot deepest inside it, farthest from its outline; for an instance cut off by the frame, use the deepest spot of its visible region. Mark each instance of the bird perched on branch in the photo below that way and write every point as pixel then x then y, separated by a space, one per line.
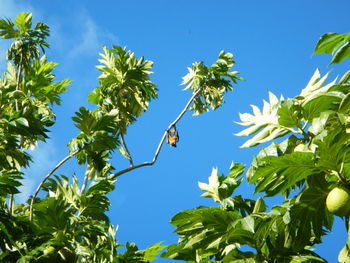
pixel 172 136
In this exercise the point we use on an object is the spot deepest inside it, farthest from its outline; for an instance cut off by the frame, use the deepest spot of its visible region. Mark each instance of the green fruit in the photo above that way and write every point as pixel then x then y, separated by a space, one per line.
pixel 124 93
pixel 338 201
pixel 49 255
pixel 49 250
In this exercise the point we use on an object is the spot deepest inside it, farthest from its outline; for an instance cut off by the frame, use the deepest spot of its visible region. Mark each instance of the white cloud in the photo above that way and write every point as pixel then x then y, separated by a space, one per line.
pixel 90 38
pixel 9 10
pixel 44 160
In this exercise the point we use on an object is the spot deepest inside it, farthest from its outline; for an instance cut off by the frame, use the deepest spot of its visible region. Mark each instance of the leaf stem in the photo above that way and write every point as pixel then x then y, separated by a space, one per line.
pixel 292 130
pixel 44 180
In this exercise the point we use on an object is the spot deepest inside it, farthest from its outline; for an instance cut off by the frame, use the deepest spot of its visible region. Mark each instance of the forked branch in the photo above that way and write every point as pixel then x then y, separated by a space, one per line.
pixel 44 180
pixel 132 166
pixel 128 155
pixel 182 113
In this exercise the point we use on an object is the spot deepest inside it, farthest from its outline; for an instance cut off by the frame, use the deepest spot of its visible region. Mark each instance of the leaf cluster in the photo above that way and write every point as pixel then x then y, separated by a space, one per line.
pixel 222 234
pixel 336 44
pixel 28 91
pixel 125 85
pixel 69 224
pixel 312 159
pixel 212 82
pixel 27 40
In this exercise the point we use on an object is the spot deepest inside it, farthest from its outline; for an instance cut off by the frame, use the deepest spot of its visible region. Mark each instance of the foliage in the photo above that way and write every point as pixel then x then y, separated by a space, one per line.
pixel 125 85
pixel 68 222
pixel 308 157
pixel 212 82
pixel 336 44
pixel 304 166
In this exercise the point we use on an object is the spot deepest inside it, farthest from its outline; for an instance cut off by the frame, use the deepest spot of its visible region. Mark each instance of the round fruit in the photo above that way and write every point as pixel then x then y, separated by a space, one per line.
pixel 338 201
pixel 49 255
pixel 124 93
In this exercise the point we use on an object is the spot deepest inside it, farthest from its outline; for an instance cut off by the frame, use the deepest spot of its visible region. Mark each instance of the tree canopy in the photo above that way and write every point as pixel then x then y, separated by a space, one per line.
pixel 309 160
pixel 65 219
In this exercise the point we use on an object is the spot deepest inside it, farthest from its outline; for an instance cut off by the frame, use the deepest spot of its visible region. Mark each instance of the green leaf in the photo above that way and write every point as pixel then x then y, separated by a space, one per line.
pixel 309 217
pixel 333 151
pixel 344 254
pixel 345 78
pixel 265 123
pixel 24 21
pixel 203 227
pixel 344 106
pixel 317 97
pixel 325 102
pixel 212 82
pixel 314 85
pixel 260 206
pixel 94 96
pixel 288 114
pixel 22 121
pixel 7 29
pixel 336 44
pixel 341 54
pixel 328 43
pixel 124 85
pixel 221 187
pixel 153 251
pixel 10 180
pixel 306 259
pixel 278 174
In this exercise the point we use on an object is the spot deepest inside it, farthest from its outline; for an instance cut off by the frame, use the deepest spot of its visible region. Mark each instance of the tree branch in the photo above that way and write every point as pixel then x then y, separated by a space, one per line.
pixel 126 150
pixel 83 187
pixel 128 156
pixel 17 108
pixel 44 180
pixel 18 78
pixel 182 113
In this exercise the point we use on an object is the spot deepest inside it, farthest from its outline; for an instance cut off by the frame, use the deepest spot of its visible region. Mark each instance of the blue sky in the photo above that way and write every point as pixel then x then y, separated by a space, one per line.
pixel 272 42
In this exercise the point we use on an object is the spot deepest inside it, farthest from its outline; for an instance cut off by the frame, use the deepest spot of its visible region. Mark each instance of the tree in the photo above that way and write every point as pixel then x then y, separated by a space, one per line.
pixel 68 222
pixel 310 159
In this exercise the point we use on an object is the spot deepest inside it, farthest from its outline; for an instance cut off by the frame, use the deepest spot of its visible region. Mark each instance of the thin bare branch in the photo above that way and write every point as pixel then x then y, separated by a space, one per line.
pixel 44 180
pixel 18 78
pixel 11 202
pixel 182 113
pixel 129 157
pixel 83 187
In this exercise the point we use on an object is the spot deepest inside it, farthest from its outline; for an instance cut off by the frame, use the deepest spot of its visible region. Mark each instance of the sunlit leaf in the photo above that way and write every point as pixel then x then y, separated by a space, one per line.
pixel 278 174
pixel 265 123
pixel 336 44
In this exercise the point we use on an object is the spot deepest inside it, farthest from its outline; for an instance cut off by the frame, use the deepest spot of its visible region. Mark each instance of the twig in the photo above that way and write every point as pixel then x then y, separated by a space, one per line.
pixel 128 156
pixel 44 180
pixel 18 78
pixel 126 150
pixel 11 202
pixel 83 187
pixel 17 108
pixel 133 167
